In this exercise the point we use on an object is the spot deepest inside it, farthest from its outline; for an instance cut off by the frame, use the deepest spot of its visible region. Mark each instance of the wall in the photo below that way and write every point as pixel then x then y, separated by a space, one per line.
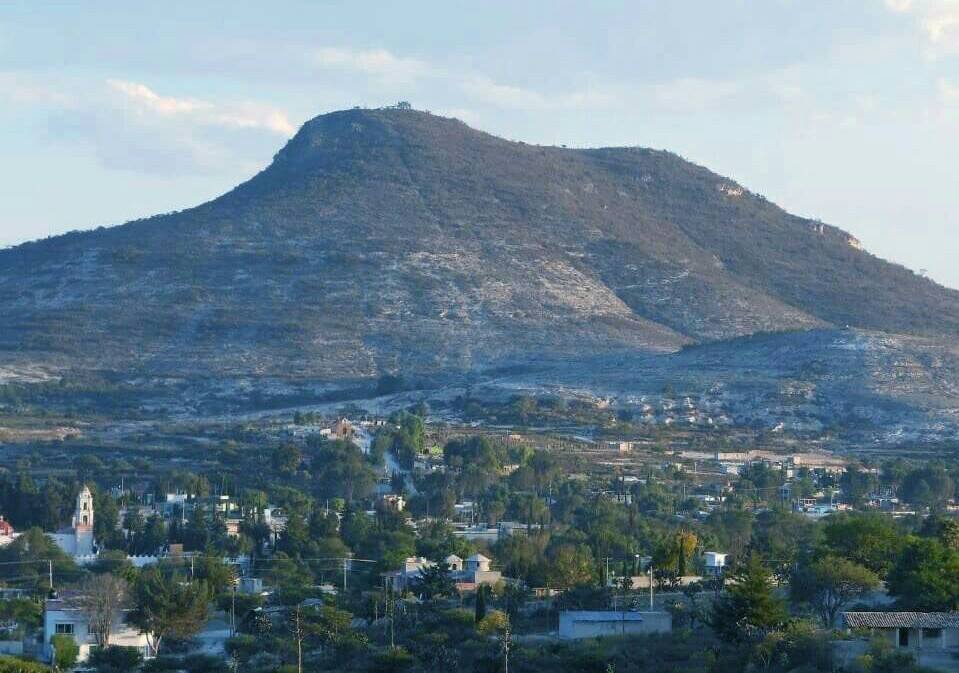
pixel 576 624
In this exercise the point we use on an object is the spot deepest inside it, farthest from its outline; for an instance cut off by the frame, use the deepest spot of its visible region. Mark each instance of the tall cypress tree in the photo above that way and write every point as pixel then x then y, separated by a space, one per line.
pixel 480 603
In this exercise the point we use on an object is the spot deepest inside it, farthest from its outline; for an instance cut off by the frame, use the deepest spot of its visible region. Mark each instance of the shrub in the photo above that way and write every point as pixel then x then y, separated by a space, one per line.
pixel 66 650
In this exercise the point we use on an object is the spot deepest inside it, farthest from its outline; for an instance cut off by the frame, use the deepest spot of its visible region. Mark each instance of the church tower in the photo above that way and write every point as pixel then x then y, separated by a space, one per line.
pixel 83 516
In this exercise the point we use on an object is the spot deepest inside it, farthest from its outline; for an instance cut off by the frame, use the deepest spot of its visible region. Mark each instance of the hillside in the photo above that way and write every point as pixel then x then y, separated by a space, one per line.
pixel 396 241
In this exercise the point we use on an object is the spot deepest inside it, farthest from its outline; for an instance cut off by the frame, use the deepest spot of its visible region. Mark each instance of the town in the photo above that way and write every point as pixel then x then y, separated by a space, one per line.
pixel 343 542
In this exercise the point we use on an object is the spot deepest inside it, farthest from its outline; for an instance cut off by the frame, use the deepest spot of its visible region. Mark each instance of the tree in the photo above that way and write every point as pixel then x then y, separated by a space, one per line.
pixel 494 622
pixel 749 609
pixel 929 486
pixel 66 651
pixel 165 604
pixel 26 558
pixel 480 603
pixel 435 581
pixel 870 540
pixel 831 583
pixel 342 470
pixel 331 624
pixel 572 566
pixel 857 484
pixel 926 576
pixel 216 575
pixel 675 553
pixel 286 458
pixel 116 659
pixel 101 600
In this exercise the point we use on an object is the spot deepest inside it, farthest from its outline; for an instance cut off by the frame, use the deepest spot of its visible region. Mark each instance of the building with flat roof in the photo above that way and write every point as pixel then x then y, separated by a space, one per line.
pixel 576 624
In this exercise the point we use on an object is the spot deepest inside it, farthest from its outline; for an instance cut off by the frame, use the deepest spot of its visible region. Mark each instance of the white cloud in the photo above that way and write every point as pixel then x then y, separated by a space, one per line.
pixel 375 62
pixel 899 5
pixel 508 96
pixel 244 115
pixel 691 94
pixel 128 125
pixel 948 93
pixel 938 20
pixel 18 89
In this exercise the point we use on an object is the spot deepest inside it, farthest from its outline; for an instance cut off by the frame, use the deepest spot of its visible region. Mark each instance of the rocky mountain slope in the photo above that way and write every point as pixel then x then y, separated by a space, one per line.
pixel 396 241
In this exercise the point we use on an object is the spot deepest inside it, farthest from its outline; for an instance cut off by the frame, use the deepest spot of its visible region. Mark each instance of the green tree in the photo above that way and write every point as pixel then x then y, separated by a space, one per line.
pixel 26 558
pixel 749 609
pixel 434 581
pixel 341 470
pixel 857 484
pixel 480 603
pixel 572 566
pixel 925 577
pixel 286 458
pixel 929 486
pixel 66 651
pixel 871 540
pixel 829 584
pixel 165 604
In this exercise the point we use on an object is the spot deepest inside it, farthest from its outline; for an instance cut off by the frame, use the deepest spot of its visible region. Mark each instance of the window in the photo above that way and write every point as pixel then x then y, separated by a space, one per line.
pixel 64 628
pixel 931 634
pixel 903 637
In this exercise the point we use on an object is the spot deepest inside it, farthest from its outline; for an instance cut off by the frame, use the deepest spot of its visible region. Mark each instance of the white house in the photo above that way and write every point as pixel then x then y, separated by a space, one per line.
pixel 715 563
pixel 467 575
pixel 574 624
pixel 64 615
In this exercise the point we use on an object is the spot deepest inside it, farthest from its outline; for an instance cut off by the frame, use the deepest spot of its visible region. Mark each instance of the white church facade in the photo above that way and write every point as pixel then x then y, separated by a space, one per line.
pixel 78 541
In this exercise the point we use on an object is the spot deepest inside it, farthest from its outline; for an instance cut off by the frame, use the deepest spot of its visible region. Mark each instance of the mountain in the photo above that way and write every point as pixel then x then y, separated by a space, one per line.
pixel 392 240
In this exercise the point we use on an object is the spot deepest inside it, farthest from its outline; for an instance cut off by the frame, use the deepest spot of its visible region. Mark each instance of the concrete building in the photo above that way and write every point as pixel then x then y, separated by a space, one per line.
pixel 575 624
pixel 64 615
pixel 7 533
pixel 715 563
pixel 931 637
pixel 467 575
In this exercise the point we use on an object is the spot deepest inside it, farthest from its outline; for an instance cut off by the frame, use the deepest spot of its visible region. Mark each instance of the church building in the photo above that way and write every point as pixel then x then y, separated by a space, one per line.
pixel 78 540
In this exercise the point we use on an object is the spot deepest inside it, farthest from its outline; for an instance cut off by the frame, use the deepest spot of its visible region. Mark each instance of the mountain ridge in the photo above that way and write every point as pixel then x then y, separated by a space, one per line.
pixel 395 241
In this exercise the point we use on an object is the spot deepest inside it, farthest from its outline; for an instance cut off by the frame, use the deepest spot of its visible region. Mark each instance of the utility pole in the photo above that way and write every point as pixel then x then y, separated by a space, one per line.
pixel 344 574
pixel 391 609
pixel 50 572
pixel 298 632
pixel 651 587
pixel 507 639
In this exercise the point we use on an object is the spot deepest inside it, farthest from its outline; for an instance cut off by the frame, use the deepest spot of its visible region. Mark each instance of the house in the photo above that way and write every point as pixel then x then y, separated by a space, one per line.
pixel 473 533
pixel 392 502
pixel 467 575
pixel 250 585
pixel 343 429
pixel 932 637
pixel 64 615
pixel 575 624
pixel 715 563
pixel 7 533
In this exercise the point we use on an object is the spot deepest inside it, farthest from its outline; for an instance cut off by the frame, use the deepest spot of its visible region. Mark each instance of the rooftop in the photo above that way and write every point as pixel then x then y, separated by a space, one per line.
pixel 894 620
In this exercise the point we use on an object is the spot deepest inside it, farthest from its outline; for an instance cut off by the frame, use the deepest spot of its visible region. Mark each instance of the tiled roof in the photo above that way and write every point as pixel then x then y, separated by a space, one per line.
pixel 895 620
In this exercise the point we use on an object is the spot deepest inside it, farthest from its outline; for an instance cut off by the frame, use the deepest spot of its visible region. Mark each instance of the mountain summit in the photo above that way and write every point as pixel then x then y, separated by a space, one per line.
pixel 395 240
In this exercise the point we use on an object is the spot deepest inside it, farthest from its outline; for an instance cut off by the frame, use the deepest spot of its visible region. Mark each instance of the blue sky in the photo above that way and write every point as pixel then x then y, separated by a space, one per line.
pixel 843 110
